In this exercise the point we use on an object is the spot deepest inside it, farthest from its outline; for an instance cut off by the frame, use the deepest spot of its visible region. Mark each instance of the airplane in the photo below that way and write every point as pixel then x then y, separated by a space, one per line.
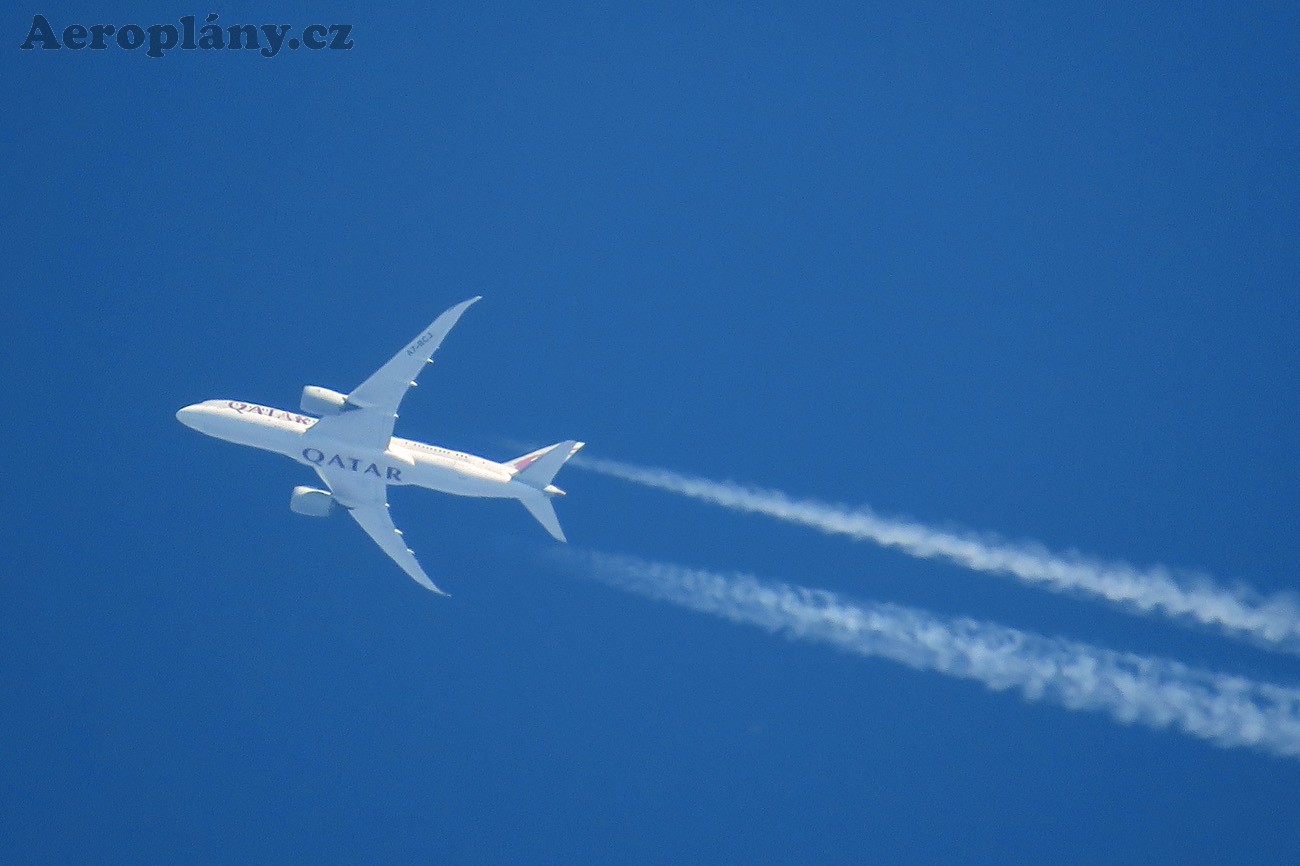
pixel 351 446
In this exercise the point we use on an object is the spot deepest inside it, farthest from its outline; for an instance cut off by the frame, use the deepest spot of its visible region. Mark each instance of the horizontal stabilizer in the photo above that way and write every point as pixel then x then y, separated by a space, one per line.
pixel 540 507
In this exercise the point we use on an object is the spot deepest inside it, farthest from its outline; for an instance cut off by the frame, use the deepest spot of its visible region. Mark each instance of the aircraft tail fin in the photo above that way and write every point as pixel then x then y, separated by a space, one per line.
pixel 540 507
pixel 538 468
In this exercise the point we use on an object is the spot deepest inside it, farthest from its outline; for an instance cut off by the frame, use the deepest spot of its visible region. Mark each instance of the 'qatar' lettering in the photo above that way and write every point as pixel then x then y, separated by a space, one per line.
pixel 317 457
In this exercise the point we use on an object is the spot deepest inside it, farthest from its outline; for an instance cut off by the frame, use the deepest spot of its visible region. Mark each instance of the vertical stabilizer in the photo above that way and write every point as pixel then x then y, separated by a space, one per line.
pixel 538 468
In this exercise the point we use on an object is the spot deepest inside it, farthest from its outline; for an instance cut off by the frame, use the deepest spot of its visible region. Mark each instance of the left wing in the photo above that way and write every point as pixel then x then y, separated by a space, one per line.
pixel 371 409
pixel 366 499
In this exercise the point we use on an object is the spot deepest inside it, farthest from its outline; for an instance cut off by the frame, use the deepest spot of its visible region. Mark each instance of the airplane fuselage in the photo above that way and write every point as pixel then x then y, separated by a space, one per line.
pixel 403 462
pixel 348 440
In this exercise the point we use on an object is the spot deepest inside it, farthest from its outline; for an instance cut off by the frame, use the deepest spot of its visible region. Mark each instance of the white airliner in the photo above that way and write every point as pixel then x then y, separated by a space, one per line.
pixel 353 450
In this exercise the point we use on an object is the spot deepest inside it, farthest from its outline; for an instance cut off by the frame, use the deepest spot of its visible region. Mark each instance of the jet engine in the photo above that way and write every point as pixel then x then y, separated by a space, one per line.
pixel 322 401
pixel 311 502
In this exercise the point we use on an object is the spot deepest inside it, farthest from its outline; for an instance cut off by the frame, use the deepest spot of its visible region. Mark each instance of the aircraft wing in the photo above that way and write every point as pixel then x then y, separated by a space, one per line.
pixel 371 409
pixel 374 519
pixel 366 499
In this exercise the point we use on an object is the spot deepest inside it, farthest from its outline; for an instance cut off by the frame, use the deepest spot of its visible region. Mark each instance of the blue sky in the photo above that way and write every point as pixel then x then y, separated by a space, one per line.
pixel 1023 270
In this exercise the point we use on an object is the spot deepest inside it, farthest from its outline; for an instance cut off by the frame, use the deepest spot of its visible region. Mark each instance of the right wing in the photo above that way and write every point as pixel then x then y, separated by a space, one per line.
pixel 378 525
pixel 366 499
pixel 371 409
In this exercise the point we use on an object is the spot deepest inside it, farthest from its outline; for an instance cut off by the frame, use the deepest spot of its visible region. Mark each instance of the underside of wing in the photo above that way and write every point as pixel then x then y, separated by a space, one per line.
pixel 366 499
pixel 370 411
pixel 374 519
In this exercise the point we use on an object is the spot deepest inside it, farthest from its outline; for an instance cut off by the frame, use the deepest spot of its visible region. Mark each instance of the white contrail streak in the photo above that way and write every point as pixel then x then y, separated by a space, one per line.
pixel 1239 612
pixel 1131 689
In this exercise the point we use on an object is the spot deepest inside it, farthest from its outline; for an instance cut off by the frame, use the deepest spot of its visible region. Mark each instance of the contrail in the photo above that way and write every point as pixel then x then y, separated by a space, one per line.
pixel 1239 612
pixel 1229 711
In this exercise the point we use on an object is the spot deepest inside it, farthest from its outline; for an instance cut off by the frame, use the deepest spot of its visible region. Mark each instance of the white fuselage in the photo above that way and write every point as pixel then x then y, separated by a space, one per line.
pixel 403 462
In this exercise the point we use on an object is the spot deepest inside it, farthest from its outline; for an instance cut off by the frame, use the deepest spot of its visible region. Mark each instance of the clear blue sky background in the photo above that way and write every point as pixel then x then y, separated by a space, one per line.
pixel 1021 269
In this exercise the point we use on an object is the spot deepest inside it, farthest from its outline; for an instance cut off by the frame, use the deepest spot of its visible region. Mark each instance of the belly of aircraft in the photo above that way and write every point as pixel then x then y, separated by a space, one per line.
pixel 457 480
pixel 444 474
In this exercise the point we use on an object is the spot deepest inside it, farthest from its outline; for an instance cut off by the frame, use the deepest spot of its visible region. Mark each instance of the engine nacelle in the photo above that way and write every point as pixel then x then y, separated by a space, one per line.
pixel 322 401
pixel 311 502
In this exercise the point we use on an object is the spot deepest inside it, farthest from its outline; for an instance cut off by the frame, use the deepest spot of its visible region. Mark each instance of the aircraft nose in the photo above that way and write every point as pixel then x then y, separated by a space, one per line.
pixel 188 415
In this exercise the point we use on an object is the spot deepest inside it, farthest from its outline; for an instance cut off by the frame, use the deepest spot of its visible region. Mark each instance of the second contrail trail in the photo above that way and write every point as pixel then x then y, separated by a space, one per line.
pixel 1131 689
pixel 1239 612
